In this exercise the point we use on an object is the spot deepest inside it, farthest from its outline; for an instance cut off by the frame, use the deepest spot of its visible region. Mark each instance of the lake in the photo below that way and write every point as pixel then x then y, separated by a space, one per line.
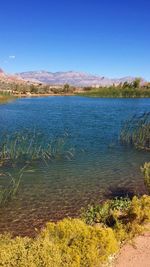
pixel 101 167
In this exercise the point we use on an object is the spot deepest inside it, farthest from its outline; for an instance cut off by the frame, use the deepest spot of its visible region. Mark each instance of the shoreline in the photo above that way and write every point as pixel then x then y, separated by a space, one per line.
pixel 11 96
pixel 79 94
pixel 40 95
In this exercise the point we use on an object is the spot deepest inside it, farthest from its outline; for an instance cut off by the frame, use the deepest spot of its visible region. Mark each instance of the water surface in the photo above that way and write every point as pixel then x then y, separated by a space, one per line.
pixel 101 167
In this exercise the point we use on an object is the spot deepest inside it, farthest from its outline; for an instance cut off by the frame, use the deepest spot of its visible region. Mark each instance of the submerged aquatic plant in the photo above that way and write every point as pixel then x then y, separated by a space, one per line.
pixel 136 132
pixel 28 146
pixel 9 192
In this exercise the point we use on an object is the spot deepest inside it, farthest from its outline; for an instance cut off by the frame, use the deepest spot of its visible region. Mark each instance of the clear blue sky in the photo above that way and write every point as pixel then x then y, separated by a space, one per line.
pixel 106 37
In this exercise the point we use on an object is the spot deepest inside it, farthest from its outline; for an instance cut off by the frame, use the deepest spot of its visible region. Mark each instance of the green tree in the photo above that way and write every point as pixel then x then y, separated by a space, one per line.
pixel 136 83
pixel 126 85
pixel 66 88
pixel 33 89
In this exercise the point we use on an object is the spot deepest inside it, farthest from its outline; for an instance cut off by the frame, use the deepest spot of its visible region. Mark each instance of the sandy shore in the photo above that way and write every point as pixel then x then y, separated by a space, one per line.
pixel 136 254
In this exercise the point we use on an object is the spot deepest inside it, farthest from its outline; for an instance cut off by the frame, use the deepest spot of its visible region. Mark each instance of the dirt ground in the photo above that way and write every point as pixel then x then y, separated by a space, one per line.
pixel 136 254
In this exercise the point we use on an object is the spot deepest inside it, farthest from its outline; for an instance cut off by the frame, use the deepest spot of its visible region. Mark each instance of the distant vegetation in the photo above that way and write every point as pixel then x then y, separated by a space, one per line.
pixel 125 90
pixel 25 88
pixel 87 242
pixel 134 89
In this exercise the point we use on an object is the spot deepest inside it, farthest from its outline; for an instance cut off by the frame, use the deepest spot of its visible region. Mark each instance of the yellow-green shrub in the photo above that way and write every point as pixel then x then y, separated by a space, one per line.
pixel 13 252
pixel 85 245
pixel 133 221
pixel 140 209
pixel 69 243
pixel 42 253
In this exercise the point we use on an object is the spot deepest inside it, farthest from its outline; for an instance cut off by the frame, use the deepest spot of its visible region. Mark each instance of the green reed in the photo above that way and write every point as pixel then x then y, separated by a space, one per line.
pixel 136 132
pixel 22 149
pixel 118 91
pixel 28 146
pixel 146 172
pixel 9 192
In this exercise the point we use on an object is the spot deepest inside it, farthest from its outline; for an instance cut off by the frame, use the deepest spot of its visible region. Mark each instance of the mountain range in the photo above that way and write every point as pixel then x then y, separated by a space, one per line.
pixel 1 72
pixel 74 78
pixel 71 77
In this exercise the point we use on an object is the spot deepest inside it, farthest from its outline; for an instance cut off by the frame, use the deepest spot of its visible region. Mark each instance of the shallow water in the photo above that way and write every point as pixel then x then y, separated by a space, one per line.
pixel 101 166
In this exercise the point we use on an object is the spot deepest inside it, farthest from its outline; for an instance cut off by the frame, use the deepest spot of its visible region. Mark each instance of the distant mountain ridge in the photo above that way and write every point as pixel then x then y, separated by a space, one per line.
pixel 71 77
pixel 74 78
pixel 2 72
pixel 8 78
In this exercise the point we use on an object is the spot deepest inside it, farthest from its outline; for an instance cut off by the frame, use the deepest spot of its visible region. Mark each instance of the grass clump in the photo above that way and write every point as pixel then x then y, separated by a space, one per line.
pixel 136 132
pixel 146 171
pixel 69 243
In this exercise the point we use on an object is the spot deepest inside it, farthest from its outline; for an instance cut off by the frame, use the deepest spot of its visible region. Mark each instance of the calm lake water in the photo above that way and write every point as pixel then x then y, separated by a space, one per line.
pixel 101 167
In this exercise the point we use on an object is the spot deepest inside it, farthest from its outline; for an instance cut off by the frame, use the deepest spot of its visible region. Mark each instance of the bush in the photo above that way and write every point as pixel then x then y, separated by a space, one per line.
pixel 104 213
pixel 69 243
pixel 25 252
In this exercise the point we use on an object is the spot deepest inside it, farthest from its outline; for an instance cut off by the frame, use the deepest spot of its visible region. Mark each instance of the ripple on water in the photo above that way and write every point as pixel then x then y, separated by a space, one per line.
pixel 101 168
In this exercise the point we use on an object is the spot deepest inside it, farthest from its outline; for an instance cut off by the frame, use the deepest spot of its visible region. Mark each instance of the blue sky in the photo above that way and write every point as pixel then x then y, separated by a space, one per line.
pixel 106 37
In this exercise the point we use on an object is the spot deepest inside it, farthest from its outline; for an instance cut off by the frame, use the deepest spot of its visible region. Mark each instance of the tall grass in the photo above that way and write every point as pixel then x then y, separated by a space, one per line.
pixel 29 146
pixel 136 132
pixel 146 172
pixel 22 149
pixel 116 92
pixel 9 192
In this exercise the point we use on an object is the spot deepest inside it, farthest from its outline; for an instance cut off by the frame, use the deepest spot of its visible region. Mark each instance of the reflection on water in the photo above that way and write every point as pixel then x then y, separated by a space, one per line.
pixel 101 167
